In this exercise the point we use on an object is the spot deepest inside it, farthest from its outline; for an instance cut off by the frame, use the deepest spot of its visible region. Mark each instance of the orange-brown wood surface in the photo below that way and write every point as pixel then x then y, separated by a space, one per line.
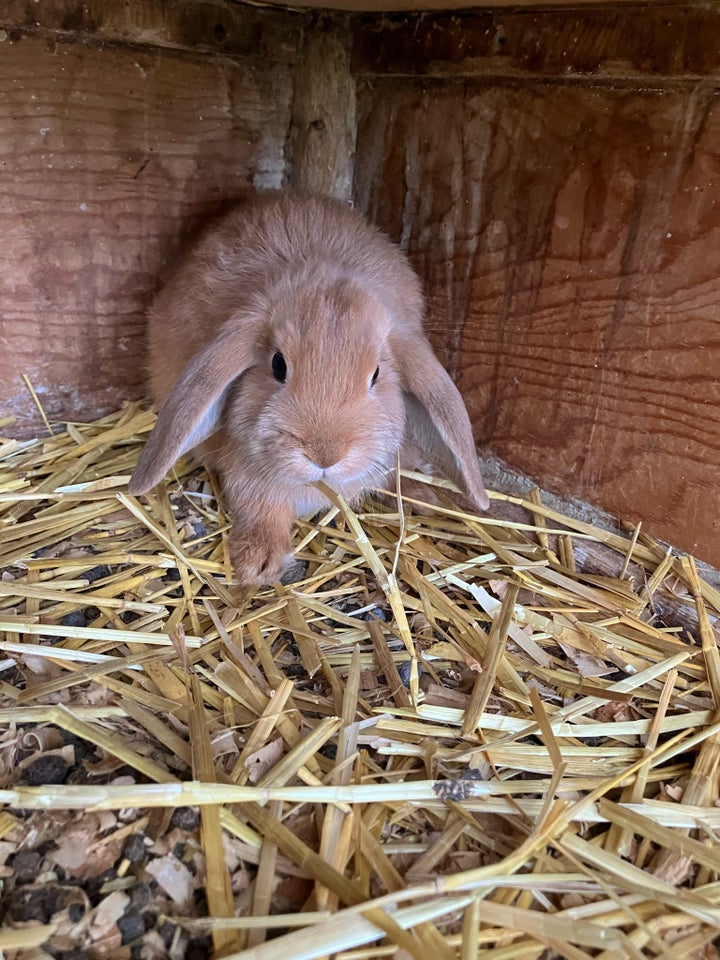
pixel 109 154
pixel 555 175
pixel 657 43
pixel 570 242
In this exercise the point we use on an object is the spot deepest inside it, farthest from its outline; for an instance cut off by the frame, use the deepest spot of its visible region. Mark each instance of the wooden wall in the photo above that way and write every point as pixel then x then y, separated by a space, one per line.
pixel 121 126
pixel 556 179
pixel 554 173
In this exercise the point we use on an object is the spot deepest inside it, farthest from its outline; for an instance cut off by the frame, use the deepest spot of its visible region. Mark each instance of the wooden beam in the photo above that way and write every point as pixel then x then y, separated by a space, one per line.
pixel 434 6
pixel 211 26
pixel 613 44
pixel 321 147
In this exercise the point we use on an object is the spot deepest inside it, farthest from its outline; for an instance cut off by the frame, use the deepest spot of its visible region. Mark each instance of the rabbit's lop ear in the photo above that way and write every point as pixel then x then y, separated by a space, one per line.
pixel 437 420
pixel 191 411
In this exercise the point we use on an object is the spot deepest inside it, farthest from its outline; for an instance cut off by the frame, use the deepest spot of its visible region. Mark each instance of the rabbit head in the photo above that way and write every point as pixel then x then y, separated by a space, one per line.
pixel 323 400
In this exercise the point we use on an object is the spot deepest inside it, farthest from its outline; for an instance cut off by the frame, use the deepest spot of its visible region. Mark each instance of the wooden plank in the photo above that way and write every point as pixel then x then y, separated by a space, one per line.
pixel 413 6
pixel 110 155
pixel 322 142
pixel 569 239
pixel 610 42
pixel 211 26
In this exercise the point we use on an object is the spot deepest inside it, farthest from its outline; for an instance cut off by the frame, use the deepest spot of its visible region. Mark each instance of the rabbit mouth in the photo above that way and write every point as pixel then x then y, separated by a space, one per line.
pixel 336 476
pixel 350 472
pixel 308 498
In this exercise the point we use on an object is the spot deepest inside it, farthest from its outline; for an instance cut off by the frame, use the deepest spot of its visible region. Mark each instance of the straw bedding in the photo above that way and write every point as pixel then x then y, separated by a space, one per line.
pixel 454 736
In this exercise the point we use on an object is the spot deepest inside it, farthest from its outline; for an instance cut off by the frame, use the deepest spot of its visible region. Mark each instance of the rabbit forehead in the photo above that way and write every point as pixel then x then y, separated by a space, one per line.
pixel 340 318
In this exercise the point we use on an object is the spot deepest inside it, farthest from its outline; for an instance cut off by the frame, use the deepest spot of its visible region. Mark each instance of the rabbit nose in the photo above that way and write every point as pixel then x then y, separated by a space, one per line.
pixel 324 455
pixel 325 461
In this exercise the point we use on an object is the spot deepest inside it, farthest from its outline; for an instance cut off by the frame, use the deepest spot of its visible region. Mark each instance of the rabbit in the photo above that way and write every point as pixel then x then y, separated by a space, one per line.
pixel 288 348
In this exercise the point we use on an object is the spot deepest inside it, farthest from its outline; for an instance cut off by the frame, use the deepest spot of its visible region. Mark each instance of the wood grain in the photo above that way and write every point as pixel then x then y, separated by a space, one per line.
pixel 413 6
pixel 570 243
pixel 321 146
pixel 209 26
pixel 554 173
pixel 610 43
pixel 110 155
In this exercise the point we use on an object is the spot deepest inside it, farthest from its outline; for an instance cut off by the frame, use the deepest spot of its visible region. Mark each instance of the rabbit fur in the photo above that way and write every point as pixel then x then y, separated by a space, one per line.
pixel 288 348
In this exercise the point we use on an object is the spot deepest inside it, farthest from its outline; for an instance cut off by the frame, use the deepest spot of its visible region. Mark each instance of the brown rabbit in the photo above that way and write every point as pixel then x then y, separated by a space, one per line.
pixel 289 348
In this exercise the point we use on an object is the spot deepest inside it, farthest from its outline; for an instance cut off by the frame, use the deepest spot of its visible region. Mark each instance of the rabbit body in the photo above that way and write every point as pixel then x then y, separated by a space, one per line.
pixel 288 348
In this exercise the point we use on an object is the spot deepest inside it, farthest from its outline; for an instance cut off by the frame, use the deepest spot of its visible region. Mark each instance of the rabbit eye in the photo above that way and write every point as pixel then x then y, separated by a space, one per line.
pixel 279 367
pixel 374 377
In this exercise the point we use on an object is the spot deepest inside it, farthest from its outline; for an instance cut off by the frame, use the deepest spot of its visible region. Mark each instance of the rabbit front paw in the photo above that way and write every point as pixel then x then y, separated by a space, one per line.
pixel 258 562
pixel 260 545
